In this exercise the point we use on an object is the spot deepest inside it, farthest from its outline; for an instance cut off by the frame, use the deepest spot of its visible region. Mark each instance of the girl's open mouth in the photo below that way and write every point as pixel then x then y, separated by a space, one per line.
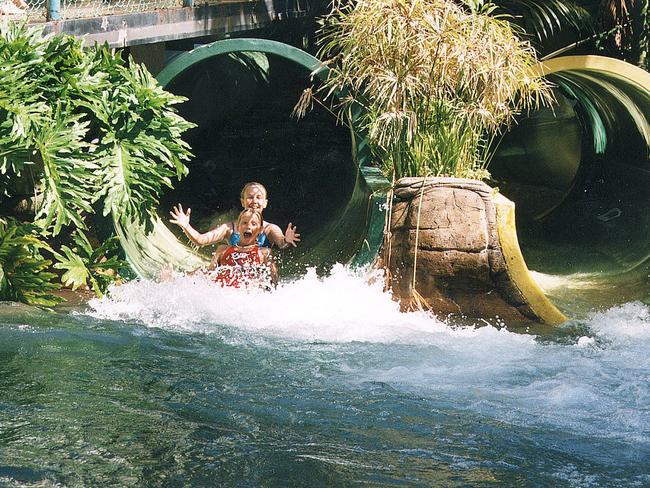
pixel 248 233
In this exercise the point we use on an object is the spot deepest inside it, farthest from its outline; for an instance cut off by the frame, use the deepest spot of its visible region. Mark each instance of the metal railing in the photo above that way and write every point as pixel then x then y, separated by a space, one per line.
pixel 52 10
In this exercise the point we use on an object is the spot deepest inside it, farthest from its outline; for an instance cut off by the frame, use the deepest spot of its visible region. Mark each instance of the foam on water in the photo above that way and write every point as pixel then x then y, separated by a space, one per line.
pixel 341 307
pixel 594 382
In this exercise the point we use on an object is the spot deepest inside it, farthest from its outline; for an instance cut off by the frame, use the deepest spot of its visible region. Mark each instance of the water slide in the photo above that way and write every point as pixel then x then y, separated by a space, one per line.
pixel 578 172
pixel 241 94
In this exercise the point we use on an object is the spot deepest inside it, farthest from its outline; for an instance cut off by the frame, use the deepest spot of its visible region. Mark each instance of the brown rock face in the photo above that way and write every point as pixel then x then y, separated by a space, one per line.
pixel 446 228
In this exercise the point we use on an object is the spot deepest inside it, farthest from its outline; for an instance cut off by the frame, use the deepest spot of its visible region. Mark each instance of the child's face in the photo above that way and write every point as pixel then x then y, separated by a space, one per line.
pixel 255 198
pixel 249 227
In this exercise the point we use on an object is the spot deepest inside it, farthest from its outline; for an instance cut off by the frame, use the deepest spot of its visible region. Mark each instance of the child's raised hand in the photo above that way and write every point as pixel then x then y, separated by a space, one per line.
pixel 291 236
pixel 179 217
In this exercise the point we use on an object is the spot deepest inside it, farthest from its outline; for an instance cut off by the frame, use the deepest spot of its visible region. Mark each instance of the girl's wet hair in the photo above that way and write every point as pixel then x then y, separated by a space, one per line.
pixel 251 184
pixel 250 212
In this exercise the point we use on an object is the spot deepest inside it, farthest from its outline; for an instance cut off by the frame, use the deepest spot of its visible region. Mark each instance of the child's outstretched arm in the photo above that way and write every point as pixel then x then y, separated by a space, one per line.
pixel 275 236
pixel 182 219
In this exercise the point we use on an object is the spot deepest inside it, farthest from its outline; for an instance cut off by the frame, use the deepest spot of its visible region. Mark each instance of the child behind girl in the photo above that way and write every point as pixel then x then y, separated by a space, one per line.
pixel 253 196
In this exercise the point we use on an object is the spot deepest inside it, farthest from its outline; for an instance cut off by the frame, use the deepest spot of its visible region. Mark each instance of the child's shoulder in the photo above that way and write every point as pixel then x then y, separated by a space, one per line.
pixel 269 225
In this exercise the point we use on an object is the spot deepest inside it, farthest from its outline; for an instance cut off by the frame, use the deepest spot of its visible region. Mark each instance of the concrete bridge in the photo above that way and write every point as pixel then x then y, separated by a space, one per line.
pixel 145 26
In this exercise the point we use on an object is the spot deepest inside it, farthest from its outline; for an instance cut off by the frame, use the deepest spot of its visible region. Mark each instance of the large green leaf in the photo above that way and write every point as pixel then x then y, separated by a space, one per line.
pixel 68 181
pixel 142 149
pixel 83 265
pixel 76 273
pixel 23 269
pixel 88 131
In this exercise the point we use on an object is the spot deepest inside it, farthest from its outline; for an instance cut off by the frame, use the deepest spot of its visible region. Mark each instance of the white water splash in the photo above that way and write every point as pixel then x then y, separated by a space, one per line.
pixel 344 306
pixel 341 307
pixel 595 382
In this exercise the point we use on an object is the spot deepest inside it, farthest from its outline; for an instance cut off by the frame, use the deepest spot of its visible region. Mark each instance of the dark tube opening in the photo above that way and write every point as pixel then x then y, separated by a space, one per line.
pixel 579 173
pixel 242 104
pixel 241 94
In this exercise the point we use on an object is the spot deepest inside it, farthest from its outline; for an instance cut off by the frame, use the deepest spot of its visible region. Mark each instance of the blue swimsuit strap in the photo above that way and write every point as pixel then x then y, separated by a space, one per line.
pixel 234 235
pixel 262 241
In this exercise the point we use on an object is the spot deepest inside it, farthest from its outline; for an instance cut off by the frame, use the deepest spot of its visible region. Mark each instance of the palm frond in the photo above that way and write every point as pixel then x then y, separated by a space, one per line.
pixel 543 19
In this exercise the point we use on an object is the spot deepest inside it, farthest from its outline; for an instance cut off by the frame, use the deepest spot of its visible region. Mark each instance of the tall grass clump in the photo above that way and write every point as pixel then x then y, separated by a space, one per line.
pixel 435 81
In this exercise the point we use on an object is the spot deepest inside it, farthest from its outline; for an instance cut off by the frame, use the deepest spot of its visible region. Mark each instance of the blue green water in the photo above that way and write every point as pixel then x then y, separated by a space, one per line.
pixel 322 383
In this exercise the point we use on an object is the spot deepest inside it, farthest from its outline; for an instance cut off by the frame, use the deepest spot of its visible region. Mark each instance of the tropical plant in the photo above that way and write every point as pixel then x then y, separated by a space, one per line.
pixel 617 28
pixel 82 130
pixel 435 82
pixel 24 274
pixel 625 30
pixel 99 267
pixel 547 22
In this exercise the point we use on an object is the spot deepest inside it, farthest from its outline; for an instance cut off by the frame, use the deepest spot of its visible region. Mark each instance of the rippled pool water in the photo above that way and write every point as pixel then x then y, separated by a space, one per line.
pixel 322 383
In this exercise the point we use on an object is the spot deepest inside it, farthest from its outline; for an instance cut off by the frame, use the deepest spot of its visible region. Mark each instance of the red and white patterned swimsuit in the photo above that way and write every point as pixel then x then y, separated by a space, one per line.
pixel 239 266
